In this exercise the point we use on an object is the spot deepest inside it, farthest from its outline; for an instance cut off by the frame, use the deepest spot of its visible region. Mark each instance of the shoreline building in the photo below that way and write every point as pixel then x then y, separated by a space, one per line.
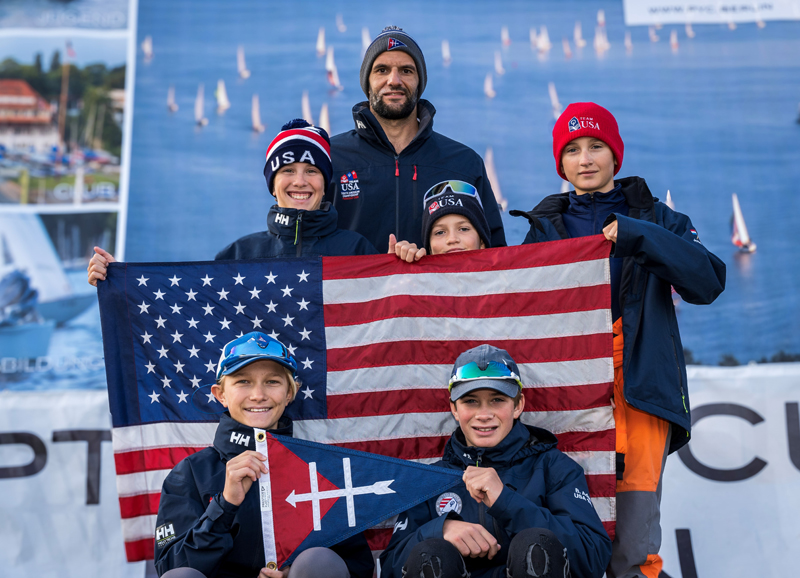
pixel 26 119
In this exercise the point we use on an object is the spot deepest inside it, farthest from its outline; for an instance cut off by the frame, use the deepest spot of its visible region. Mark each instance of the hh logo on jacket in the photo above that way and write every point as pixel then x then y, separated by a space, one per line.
pixel 349 184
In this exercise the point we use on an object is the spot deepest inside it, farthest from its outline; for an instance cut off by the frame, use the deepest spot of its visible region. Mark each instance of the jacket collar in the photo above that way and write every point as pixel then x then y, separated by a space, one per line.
pixel 232 437
pixel 522 441
pixel 283 222
pixel 368 127
pixel 582 204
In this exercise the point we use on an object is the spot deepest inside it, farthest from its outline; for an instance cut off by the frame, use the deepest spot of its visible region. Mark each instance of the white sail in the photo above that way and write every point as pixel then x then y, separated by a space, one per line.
pixel 241 66
pixel 760 23
pixel 488 88
pixel 740 236
pixel 669 202
pixel 306 108
pixel 491 172
pixel 566 47
pixel 504 37
pixel 321 41
pixel 498 63
pixel 601 44
pixel 601 17
pixel 366 40
pixel 689 30
pixel 255 114
pixel 199 106
pixel 147 48
pixel 543 41
pixel 628 42
pixel 577 34
pixel 673 40
pixel 223 103
pixel 652 33
pixel 554 103
pixel 340 25
pixel 172 106
pixel 534 37
pixel 731 25
pixel 324 119
pixel 333 72
pixel 446 57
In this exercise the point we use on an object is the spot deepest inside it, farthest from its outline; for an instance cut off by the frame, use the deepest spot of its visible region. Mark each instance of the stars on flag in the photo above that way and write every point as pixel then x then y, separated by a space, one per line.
pixel 303 277
pixel 182 397
pixel 209 308
pixel 178 367
pixel 211 367
pixel 307 363
pixel 207 280
pixel 146 337
pixel 209 337
pixel 154 396
pixel 271 306
pixel 176 309
pixel 159 294
pixel 166 381
pixel 193 351
pixel 256 323
pixel 160 322
pixel 143 308
pixel 143 280
pixel 225 323
pixel 190 295
pixel 162 352
pixel 223 294
pixel 255 293
pixel 176 337
pixel 307 392
pixel 239 279
pixel 287 320
pixel 239 308
pixel 305 334
pixel 303 304
pixel 287 291
pixel 174 280
pixel 195 381
pixel 270 278
pixel 192 323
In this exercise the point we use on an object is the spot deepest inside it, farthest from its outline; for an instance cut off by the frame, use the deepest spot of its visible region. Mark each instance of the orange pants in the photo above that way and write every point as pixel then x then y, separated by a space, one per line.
pixel 644 440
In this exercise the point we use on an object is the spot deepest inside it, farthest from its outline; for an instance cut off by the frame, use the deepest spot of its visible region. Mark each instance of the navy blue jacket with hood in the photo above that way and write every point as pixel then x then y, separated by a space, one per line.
pixel 204 532
pixel 386 194
pixel 298 233
pixel 659 248
pixel 543 489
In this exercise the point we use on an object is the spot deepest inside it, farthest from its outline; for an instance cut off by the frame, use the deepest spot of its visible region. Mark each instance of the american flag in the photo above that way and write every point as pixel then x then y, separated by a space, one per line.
pixel 375 339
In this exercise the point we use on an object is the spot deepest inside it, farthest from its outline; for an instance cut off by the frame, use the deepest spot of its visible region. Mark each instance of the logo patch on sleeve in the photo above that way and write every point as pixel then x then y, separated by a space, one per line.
pixel 165 534
pixel 448 502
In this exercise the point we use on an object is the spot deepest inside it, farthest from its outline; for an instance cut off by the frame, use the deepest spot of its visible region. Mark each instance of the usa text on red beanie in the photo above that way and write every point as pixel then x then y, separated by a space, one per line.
pixel 586 119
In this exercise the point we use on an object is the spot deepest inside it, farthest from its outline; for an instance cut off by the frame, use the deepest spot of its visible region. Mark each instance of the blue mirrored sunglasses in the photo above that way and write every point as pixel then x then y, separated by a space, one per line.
pixel 458 187
pixel 254 346
pixel 472 371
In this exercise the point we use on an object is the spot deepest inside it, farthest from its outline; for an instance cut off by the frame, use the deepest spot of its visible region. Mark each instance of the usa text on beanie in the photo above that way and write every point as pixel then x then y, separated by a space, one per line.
pixel 586 119
pixel 299 142
pixel 393 38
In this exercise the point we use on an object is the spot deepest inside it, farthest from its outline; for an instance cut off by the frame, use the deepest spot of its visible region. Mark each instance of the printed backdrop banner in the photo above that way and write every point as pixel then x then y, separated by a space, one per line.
pixel 730 498
pixel 638 12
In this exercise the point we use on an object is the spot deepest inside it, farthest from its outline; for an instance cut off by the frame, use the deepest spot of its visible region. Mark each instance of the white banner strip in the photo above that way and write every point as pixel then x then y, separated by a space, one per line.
pixel 649 12
pixel 265 499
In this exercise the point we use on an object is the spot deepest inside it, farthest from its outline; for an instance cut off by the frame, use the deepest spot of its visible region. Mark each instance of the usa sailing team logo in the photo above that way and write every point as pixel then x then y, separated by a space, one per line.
pixel 349 184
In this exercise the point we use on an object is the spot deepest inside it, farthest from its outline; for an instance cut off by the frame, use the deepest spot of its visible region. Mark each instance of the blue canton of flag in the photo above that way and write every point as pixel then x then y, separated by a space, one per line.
pixel 179 319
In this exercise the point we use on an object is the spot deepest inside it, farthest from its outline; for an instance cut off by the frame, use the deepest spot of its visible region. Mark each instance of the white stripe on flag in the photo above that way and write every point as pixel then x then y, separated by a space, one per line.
pixel 141 482
pixel 546 278
pixel 583 420
pixel 163 435
pixel 404 377
pixel 596 462
pixel 606 508
pixel 138 528
pixel 469 329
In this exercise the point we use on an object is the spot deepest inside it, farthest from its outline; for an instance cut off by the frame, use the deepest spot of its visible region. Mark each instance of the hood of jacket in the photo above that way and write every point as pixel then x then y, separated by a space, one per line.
pixel 232 437
pixel 368 127
pixel 286 222
pixel 521 442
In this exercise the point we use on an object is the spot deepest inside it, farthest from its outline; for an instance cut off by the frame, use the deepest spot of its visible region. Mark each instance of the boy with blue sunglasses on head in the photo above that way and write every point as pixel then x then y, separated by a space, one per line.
pixel 452 220
pixel 524 508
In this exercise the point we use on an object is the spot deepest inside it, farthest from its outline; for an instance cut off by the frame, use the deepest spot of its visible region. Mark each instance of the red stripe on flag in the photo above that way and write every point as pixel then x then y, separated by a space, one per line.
pixel 602 485
pixel 140 505
pixel 489 306
pixel 445 352
pixel 611 529
pixel 400 401
pixel 153 459
pixel 521 257
pixel 139 550
pixel 587 441
pixel 403 448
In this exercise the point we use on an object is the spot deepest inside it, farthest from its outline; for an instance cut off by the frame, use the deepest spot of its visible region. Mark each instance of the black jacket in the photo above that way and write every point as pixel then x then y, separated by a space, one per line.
pixel 217 538
pixel 298 233
pixel 378 192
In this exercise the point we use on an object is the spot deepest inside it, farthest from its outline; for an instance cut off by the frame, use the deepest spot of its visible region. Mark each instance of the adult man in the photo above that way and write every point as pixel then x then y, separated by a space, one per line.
pixel 383 167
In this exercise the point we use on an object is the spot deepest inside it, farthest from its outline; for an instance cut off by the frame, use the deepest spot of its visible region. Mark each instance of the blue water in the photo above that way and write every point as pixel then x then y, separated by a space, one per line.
pixel 717 117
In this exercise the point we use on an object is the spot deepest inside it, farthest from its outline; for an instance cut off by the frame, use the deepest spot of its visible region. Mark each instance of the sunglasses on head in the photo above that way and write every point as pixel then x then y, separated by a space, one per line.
pixel 458 187
pixel 472 371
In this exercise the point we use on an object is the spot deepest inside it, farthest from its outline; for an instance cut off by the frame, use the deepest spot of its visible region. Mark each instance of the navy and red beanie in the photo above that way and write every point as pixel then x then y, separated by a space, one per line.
pixel 586 119
pixel 393 38
pixel 299 142
pixel 447 198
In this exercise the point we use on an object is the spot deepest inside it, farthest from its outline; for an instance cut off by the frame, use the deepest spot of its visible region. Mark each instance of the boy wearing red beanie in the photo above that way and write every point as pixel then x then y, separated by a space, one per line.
pixel 654 248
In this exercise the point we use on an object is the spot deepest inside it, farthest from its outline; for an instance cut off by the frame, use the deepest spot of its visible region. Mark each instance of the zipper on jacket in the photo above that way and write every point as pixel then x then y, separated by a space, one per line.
pixel 397 196
pixel 298 234
pixel 415 173
pixel 680 377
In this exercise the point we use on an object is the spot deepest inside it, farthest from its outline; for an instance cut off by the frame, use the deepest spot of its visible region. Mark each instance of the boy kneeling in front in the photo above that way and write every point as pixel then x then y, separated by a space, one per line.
pixel 523 509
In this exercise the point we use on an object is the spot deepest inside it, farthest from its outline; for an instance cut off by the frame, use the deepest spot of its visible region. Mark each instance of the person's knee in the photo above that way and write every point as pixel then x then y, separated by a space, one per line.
pixel 183 573
pixel 435 558
pixel 310 564
pixel 537 553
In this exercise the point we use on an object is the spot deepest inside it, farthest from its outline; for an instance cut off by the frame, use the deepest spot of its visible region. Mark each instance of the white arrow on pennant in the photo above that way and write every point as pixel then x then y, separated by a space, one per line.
pixel 315 496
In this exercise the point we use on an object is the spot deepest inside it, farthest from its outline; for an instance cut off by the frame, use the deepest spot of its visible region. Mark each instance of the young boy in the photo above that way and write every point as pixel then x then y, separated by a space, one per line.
pixel 524 506
pixel 654 248
pixel 452 220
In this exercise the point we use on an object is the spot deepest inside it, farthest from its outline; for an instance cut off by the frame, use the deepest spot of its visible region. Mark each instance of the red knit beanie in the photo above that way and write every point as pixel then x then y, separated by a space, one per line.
pixel 586 119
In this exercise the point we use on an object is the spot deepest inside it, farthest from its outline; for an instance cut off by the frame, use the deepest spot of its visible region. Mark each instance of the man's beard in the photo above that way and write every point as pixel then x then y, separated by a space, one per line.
pixel 383 110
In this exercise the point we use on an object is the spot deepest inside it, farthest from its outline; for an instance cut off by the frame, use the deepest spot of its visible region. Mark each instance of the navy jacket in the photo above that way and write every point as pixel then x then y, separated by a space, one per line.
pixel 543 489
pixel 378 192
pixel 197 528
pixel 659 248
pixel 298 233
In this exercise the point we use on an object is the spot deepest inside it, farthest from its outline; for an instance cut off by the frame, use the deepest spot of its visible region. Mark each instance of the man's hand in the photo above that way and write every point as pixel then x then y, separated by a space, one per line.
pixel 484 484
pixel 472 540
pixel 610 231
pixel 98 265
pixel 404 250
pixel 240 473
pixel 267 573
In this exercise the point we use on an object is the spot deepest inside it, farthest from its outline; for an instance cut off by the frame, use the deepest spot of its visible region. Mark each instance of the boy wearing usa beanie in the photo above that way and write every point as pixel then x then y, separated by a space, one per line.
pixel 654 248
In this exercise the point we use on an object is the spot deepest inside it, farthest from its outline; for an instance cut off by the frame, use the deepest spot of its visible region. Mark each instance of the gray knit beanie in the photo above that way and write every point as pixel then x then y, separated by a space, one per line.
pixel 393 38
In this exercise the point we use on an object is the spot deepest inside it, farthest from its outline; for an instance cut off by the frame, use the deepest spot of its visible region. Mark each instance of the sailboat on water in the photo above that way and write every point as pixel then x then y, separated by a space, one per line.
pixel 543 41
pixel 534 38
pixel 669 202
pixel 628 42
pixel 498 63
pixel 305 106
pixel 554 102
pixel 446 56
pixel 488 86
pixel 689 30
pixel 739 236
pixel 324 118
pixel 504 37
pixel 172 106
pixel 199 107
pixel 321 41
pixel 333 72
pixel 241 66
pixel 223 103
pixel 147 48
pixel 673 40
pixel 577 34
pixel 567 49
pixel 366 40
pixel 255 115
pixel 340 25
pixel 653 34
pixel 601 17
pixel 491 172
